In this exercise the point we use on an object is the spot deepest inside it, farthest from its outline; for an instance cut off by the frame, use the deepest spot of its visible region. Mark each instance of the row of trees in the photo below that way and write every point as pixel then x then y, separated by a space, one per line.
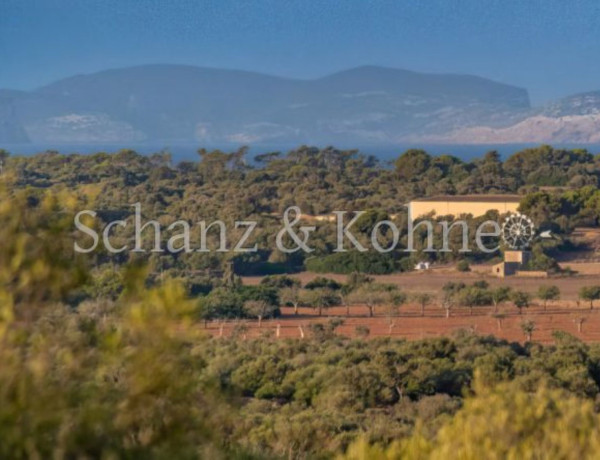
pixel 361 290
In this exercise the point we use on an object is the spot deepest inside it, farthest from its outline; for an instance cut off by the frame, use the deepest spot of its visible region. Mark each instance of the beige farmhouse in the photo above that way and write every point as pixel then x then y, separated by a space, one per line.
pixel 456 205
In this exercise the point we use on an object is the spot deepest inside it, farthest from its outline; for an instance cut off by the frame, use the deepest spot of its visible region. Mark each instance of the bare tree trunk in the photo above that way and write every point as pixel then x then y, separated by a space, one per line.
pixel 259 321
pixel 499 323
pixel 347 309
pixel 221 329
pixel 278 330
pixel 320 310
pixel 579 324
pixel 301 332
pixel 422 309
pixel 392 324
pixel 400 393
pixel 447 313
pixel 296 308
pixel 371 312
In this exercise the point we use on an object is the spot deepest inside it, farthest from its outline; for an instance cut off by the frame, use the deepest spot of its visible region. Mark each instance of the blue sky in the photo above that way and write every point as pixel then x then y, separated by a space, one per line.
pixel 550 47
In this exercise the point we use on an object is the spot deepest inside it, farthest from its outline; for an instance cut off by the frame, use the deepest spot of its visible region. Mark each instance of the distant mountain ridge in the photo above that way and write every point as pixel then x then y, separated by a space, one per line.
pixel 578 104
pixel 573 119
pixel 365 105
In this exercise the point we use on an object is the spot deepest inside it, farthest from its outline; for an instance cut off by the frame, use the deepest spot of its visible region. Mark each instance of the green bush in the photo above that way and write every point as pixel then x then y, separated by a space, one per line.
pixel 463 266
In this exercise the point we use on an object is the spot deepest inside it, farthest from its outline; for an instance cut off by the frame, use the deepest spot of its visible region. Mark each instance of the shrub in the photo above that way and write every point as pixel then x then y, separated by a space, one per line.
pixel 463 266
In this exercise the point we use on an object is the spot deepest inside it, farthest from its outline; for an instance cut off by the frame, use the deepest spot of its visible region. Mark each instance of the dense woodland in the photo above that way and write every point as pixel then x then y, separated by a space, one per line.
pixel 559 189
pixel 105 356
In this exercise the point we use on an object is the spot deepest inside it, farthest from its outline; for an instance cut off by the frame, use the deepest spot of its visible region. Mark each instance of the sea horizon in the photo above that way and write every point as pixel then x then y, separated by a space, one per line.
pixel 187 151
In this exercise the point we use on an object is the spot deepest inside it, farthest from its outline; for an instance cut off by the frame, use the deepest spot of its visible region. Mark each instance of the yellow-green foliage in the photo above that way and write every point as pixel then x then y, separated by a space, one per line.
pixel 499 423
pixel 37 262
pixel 107 382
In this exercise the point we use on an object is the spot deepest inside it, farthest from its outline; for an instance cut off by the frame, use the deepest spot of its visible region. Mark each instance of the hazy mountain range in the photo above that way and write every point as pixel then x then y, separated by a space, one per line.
pixel 365 105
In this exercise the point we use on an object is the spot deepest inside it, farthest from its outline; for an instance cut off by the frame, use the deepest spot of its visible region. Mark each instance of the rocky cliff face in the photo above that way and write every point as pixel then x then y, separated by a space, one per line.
pixel 584 129
pixel 575 119
pixel 578 104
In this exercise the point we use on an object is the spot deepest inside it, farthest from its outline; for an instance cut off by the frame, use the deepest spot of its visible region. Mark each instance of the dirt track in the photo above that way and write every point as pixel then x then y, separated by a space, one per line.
pixel 433 280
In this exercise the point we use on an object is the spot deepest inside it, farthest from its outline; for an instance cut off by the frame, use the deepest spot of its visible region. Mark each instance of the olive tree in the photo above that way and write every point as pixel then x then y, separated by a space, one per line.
pixel 590 293
pixel 528 327
pixel 521 300
pixel 546 293
pixel 371 295
pixel 423 299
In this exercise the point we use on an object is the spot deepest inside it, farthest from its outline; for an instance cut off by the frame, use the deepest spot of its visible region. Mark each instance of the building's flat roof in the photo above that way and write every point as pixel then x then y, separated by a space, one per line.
pixel 474 198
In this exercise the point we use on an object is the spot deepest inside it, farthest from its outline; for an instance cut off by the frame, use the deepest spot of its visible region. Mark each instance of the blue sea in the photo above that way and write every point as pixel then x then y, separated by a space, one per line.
pixel 188 151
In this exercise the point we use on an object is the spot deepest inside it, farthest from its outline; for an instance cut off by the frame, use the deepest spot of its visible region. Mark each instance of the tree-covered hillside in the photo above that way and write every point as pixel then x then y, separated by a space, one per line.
pixel 105 355
pixel 559 189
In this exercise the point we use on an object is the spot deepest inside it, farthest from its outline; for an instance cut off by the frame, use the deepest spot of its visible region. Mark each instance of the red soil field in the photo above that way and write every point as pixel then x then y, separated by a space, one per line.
pixel 564 315
pixel 410 325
